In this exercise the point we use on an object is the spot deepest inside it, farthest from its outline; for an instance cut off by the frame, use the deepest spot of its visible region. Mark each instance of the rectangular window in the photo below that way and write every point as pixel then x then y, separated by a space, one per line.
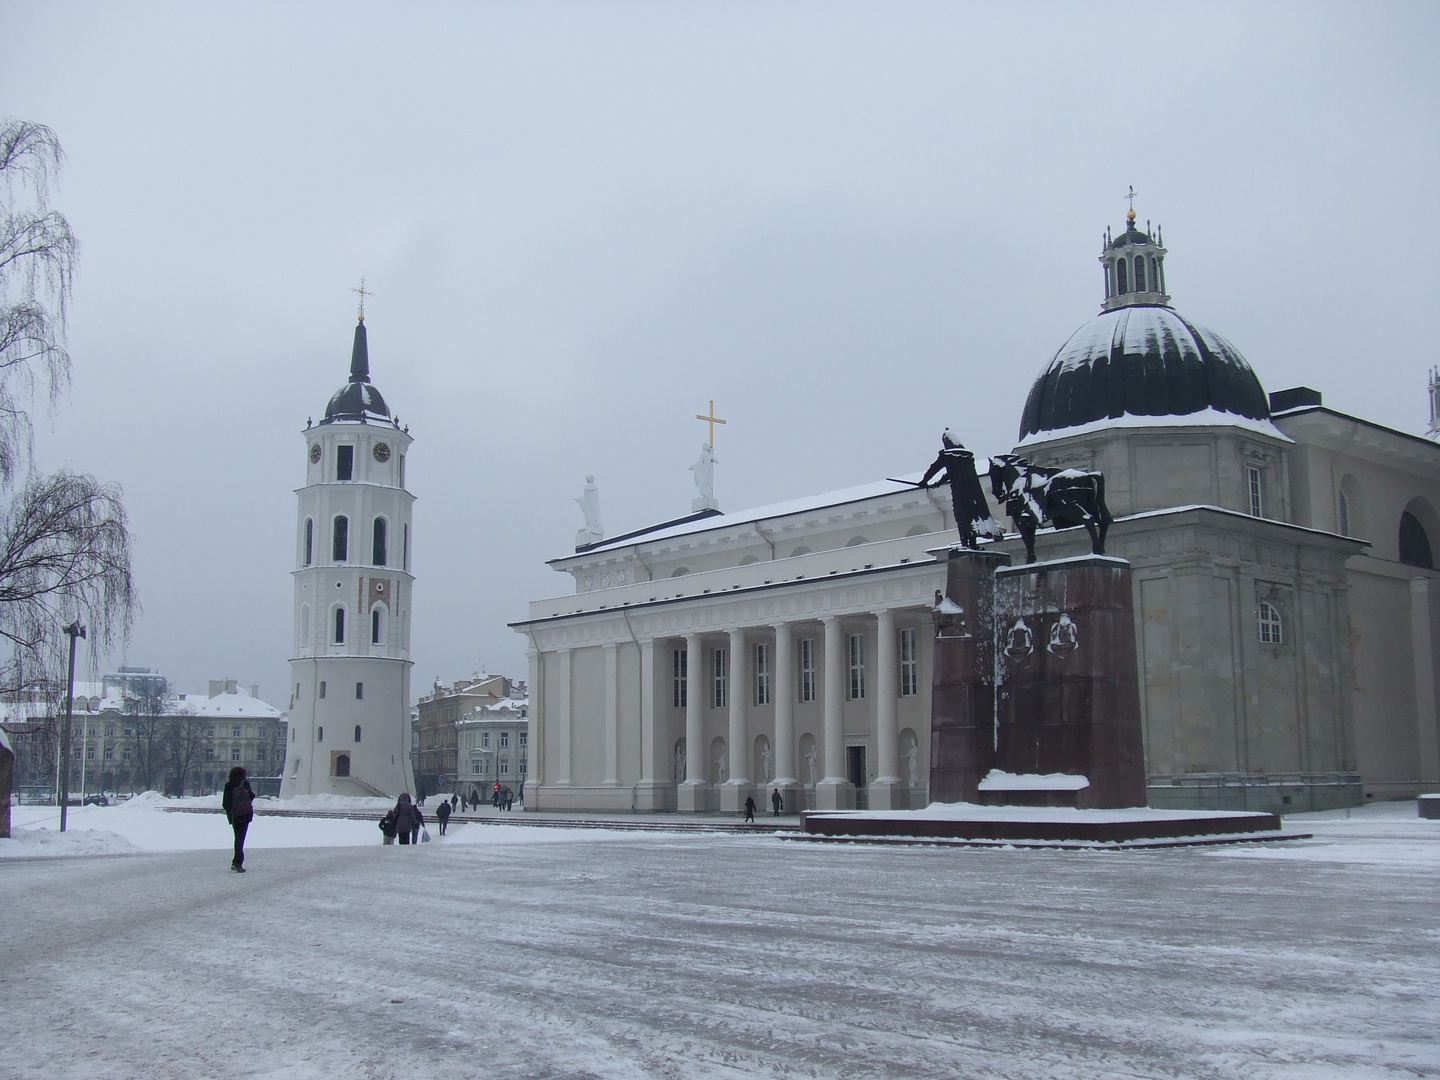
pixel 90 753
pixel 404 535
pixel 807 669
pixel 762 674
pixel 359 691
pixel 235 753
pixel 504 767
pixel 340 545
pixel 857 666
pixel 1252 485
pixel 260 753
pixel 125 754
pixel 720 670
pixel 485 740
pixel 504 739
pixel 524 738
pixel 235 732
pixel 322 688
pixel 344 462
pixel 680 666
pixel 109 753
pixel 909 665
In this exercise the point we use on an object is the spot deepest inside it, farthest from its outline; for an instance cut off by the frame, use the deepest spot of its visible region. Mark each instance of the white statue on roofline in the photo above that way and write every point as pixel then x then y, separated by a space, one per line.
pixel 589 503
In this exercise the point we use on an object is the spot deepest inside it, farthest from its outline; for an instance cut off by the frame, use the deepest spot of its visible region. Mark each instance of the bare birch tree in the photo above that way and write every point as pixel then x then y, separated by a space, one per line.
pixel 64 538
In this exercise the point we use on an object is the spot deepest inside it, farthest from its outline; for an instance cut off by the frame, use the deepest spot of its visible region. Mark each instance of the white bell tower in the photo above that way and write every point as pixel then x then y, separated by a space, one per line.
pixel 350 666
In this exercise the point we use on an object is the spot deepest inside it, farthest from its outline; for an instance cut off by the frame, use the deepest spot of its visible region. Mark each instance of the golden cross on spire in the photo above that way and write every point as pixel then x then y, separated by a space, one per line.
pixel 712 420
pixel 364 292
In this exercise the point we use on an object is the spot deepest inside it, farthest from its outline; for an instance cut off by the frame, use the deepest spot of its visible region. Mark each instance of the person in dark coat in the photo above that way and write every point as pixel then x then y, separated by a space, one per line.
pixel 238 799
pixel 407 818
pixel 776 801
pixel 749 807
pixel 454 800
pixel 442 814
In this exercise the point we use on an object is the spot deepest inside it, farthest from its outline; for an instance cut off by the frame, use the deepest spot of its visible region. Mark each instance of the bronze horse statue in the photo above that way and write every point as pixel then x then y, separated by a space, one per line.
pixel 1063 497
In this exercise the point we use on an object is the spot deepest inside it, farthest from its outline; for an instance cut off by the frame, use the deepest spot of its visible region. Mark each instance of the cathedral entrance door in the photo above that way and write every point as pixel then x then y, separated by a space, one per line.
pixel 855 773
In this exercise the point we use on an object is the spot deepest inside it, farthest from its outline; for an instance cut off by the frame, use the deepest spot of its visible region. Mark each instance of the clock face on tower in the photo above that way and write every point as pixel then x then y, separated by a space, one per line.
pixel 315 453
pixel 381 451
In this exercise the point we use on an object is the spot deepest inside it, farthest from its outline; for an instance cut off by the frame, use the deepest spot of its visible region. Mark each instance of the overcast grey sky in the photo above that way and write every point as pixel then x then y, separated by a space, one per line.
pixel 848 224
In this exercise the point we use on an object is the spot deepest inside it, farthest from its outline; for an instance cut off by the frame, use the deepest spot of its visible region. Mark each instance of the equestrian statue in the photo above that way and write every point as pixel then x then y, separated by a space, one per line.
pixel 1064 498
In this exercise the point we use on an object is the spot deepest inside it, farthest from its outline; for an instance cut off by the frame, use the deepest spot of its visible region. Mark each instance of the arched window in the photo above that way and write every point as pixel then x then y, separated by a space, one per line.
pixel 680 571
pixel 801 550
pixel 1107 283
pixel 1139 273
pixel 359 691
pixel 1121 285
pixel 1160 281
pixel 357 733
pixel 340 549
pixel 378 552
pixel 309 541
pixel 1154 276
pixel 342 764
pixel 1414 543
pixel 1343 513
pixel 375 627
pixel 304 626
pixel 405 538
pixel 338 638
pixel 1272 630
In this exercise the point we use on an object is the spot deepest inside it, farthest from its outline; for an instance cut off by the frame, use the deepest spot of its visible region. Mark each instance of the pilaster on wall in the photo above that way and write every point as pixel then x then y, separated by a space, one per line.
pixel 1422 644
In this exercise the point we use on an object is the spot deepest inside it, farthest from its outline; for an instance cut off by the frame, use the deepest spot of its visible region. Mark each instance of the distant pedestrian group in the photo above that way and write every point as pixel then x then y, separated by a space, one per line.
pixel 405 821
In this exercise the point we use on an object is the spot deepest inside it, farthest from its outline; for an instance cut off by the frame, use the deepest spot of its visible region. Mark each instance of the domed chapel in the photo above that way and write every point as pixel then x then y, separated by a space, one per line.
pixel 1287 607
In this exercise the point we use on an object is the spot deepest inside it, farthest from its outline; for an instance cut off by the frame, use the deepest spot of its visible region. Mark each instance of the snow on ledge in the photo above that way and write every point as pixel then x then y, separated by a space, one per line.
pixel 1204 418
pixel 1000 780
pixel 978 812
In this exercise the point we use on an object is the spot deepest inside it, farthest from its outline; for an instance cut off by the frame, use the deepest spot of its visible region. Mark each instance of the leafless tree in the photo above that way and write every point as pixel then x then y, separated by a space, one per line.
pixel 145 707
pixel 184 745
pixel 64 538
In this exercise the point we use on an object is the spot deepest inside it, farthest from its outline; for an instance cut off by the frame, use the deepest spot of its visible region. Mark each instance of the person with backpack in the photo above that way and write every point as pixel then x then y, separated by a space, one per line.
pixel 387 827
pixel 238 801
pixel 407 818
pixel 442 814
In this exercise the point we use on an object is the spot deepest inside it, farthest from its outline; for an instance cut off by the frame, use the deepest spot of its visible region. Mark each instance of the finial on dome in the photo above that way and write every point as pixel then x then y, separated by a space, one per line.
pixel 364 292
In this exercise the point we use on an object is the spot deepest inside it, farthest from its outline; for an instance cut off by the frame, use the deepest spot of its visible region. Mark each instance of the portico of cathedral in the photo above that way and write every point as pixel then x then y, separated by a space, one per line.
pixel 1283 585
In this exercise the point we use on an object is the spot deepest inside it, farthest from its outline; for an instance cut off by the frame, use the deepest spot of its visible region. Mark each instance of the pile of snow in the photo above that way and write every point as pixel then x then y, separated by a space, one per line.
pixel 28 843
pixel 1000 780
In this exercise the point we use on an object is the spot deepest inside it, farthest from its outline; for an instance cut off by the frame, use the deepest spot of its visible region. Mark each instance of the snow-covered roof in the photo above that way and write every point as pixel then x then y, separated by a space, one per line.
pixel 789 508
pixel 237 704
pixel 1203 418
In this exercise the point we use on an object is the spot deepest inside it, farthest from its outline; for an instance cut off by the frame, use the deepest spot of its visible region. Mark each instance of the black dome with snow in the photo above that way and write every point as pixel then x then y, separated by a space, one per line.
pixel 1141 361
pixel 357 399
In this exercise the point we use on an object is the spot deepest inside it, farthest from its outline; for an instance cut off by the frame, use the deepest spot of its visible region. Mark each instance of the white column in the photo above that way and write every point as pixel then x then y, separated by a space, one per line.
pixel 657 763
pixel 784 675
pixel 886 688
pixel 535 764
pixel 737 785
pixel 834 791
pixel 691 796
pixel 562 716
pixel 612 715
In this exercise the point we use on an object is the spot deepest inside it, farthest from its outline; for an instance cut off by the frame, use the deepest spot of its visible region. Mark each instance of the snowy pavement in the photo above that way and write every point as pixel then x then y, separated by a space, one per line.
pixel 515 952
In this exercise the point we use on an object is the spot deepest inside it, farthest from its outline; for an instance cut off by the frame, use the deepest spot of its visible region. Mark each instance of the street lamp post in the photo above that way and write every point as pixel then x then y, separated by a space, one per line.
pixel 75 631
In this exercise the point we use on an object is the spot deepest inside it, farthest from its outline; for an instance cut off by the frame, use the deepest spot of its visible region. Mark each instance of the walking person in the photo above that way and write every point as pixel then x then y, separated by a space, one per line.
pixel 750 808
pixel 238 799
pixel 387 827
pixel 407 818
pixel 776 801
pixel 442 814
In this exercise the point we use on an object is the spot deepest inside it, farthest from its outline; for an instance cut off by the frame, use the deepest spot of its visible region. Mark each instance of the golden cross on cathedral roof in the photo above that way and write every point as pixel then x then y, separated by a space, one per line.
pixel 364 292
pixel 712 420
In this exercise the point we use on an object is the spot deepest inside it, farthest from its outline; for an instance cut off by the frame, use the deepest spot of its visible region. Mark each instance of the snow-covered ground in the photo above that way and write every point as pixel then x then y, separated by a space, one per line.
pixel 521 952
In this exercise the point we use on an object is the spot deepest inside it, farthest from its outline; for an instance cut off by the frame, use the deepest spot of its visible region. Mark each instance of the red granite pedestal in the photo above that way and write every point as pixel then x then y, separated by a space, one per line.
pixel 962 710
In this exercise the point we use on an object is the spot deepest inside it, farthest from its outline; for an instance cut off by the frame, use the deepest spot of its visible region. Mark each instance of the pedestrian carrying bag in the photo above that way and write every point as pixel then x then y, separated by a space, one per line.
pixel 424 836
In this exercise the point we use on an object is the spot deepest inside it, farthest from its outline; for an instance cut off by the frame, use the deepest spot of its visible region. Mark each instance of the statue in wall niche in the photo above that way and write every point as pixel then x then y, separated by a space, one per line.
pixel 589 502
pixel 722 766
pixel 765 761
pixel 1064 498
pixel 810 763
pixel 972 512
pixel 679 763
pixel 912 761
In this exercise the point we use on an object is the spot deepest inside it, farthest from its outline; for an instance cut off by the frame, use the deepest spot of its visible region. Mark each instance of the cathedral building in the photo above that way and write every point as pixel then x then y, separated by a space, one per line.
pixel 350 666
pixel 1285 598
